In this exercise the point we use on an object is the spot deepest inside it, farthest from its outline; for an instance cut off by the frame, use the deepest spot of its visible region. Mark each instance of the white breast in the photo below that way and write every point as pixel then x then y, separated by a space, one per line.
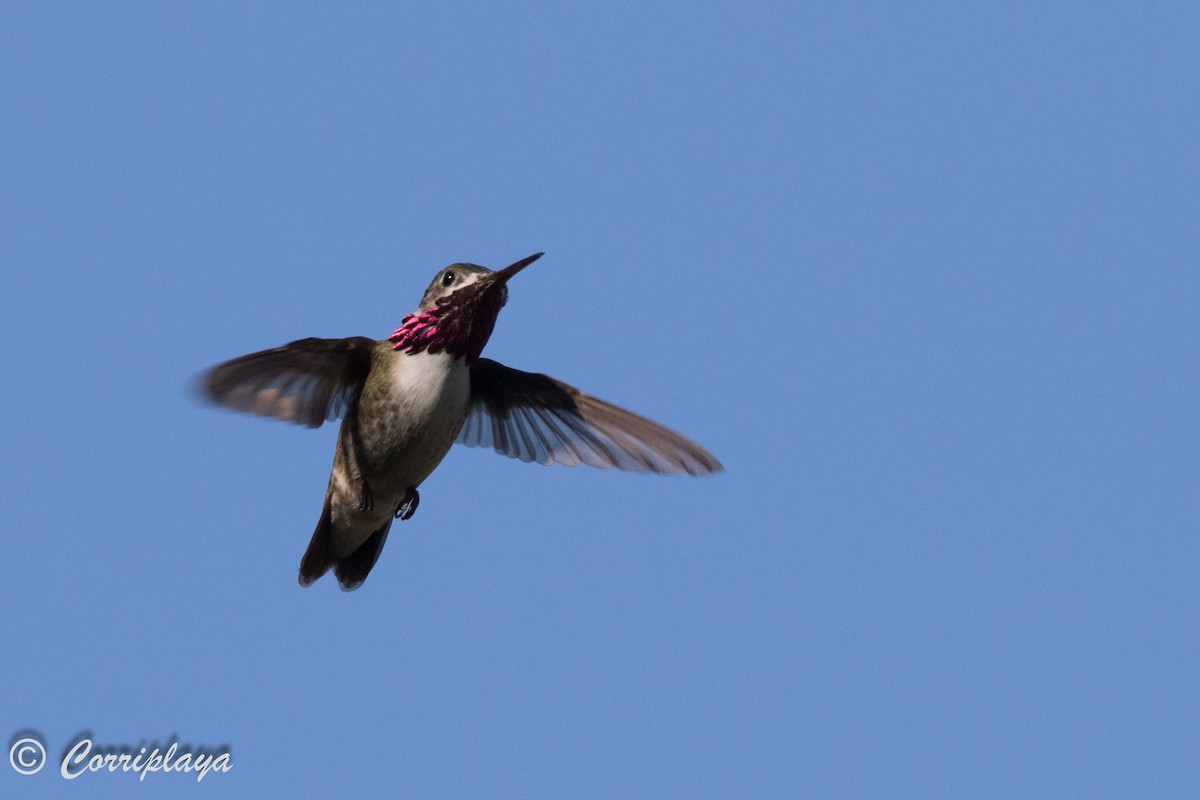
pixel 431 382
pixel 430 393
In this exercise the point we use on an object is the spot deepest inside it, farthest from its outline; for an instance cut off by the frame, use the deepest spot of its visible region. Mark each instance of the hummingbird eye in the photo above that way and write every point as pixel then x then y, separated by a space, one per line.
pixel 448 277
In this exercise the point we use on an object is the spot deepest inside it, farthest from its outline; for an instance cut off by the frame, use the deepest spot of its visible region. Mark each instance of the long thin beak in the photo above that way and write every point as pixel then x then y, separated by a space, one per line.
pixel 503 275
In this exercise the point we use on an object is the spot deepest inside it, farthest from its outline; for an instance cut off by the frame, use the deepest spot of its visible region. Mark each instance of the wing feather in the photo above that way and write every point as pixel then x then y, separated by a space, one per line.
pixel 533 417
pixel 306 382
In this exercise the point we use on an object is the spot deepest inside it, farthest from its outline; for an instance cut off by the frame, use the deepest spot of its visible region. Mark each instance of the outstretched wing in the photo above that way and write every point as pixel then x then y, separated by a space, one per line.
pixel 536 418
pixel 305 382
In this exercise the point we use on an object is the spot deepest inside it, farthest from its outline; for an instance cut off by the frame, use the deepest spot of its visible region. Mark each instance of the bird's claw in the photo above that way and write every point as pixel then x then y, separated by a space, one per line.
pixel 408 506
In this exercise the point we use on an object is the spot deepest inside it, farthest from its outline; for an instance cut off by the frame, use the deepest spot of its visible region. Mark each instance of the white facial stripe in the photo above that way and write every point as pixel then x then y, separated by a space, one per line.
pixel 462 280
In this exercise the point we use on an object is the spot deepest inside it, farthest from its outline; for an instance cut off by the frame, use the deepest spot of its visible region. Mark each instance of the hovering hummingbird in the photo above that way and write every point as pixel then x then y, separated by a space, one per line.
pixel 406 399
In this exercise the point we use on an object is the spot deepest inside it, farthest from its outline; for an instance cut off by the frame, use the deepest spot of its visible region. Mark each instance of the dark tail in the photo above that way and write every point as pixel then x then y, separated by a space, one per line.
pixel 317 558
pixel 352 570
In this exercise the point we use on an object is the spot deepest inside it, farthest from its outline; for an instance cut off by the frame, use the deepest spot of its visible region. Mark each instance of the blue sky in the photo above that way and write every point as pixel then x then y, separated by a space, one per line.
pixel 924 277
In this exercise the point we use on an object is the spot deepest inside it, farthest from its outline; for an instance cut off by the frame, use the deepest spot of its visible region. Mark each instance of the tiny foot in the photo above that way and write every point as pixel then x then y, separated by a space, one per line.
pixel 408 506
pixel 366 498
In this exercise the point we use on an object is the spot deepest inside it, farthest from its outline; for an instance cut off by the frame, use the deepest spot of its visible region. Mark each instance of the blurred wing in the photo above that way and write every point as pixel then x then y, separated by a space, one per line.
pixel 536 418
pixel 305 382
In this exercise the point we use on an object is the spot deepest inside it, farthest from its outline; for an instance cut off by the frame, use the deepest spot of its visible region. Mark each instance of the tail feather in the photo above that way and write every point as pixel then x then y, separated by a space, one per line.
pixel 352 570
pixel 317 558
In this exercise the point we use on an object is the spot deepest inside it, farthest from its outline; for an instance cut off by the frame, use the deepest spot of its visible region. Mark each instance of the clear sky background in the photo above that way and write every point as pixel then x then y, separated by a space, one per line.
pixel 924 276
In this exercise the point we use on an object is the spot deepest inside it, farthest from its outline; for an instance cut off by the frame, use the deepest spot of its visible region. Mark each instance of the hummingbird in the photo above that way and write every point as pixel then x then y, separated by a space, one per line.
pixel 406 399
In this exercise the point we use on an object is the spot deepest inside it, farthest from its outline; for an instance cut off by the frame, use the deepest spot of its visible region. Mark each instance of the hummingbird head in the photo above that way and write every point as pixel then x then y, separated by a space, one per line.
pixel 458 311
